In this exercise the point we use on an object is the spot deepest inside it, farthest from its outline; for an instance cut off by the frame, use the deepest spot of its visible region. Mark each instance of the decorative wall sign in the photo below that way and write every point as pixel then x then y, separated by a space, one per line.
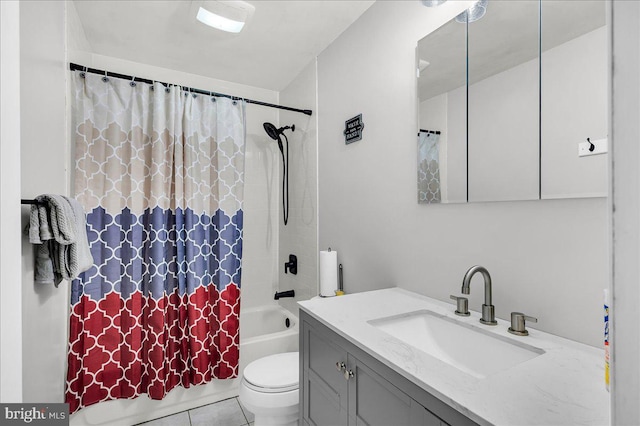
pixel 353 129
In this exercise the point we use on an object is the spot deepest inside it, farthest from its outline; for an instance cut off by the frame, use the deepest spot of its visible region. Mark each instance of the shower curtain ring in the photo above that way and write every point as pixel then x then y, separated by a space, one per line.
pixel 83 73
pixel 105 78
pixel 132 83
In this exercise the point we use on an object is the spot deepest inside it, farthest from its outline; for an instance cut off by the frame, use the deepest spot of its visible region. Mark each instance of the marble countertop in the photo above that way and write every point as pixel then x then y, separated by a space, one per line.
pixel 563 386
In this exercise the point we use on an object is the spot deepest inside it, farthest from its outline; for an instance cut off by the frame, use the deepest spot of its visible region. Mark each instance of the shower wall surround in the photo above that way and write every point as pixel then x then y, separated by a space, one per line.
pixel 534 250
pixel 300 236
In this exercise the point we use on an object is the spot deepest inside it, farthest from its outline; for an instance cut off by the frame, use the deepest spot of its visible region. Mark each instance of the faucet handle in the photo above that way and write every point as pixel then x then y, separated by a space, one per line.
pixel 518 323
pixel 462 305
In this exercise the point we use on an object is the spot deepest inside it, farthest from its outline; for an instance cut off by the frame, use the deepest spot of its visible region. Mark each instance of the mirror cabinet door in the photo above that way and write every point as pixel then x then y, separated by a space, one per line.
pixel 503 55
pixel 574 98
pixel 442 135
pixel 508 102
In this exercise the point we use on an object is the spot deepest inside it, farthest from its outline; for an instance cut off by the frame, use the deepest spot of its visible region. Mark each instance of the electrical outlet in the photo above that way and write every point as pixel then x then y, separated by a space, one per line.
pixel 600 147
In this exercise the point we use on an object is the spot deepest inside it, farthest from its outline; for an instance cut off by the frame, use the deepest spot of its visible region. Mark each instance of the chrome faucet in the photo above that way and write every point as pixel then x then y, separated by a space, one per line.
pixel 488 310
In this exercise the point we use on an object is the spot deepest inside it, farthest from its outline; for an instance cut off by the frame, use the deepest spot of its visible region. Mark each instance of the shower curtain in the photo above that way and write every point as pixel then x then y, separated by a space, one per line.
pixel 428 167
pixel 160 173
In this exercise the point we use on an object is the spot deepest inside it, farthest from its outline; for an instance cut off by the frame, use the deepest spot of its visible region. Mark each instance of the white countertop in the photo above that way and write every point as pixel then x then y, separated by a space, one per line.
pixel 563 386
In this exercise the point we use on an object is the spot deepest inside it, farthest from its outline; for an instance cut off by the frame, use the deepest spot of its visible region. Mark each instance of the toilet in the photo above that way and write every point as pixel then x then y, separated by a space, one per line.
pixel 269 389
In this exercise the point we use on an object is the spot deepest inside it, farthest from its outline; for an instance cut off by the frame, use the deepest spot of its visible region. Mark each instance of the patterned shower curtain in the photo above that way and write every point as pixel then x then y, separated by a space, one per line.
pixel 160 173
pixel 429 167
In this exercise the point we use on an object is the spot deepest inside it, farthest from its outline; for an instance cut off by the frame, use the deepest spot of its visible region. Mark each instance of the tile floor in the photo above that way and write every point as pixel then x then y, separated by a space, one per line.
pixel 223 413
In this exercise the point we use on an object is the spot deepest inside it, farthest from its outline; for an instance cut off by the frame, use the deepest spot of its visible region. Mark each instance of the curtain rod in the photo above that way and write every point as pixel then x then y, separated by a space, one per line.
pixel 437 132
pixel 76 67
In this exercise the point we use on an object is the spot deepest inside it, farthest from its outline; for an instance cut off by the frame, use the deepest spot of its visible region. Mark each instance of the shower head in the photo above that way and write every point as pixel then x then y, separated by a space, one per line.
pixel 274 133
pixel 271 131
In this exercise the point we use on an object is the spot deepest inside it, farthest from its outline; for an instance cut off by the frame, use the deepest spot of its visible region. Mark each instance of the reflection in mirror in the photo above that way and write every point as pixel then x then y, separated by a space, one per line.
pixel 442 143
pixel 429 184
pixel 574 97
pixel 503 102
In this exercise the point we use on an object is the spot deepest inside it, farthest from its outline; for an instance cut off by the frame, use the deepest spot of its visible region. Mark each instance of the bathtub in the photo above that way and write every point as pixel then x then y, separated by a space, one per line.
pixel 264 330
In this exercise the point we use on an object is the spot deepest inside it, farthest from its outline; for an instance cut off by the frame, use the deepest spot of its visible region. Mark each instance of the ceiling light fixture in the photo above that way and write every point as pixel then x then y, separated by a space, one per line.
pixel 225 15
pixel 432 3
pixel 474 13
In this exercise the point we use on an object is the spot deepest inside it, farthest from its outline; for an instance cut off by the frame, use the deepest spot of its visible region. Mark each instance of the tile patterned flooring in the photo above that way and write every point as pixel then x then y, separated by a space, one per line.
pixel 228 412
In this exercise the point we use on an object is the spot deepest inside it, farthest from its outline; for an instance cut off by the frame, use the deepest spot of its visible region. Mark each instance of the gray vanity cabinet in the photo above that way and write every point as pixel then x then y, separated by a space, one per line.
pixel 343 385
pixel 378 402
pixel 323 388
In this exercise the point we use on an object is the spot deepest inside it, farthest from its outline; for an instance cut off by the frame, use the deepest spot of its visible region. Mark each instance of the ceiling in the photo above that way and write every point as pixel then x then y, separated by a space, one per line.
pixel 280 39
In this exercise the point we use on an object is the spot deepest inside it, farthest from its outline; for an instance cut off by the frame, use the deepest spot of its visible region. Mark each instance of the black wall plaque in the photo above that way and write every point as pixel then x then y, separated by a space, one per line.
pixel 353 129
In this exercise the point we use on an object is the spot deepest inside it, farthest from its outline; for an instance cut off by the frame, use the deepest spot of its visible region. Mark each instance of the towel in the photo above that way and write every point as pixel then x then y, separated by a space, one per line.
pixel 58 226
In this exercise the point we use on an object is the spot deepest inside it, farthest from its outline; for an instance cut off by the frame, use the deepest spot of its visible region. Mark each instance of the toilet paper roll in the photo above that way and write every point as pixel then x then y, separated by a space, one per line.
pixel 328 273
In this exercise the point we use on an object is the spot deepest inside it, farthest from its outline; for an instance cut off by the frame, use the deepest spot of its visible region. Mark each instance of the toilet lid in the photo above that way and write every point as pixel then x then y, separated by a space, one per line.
pixel 276 372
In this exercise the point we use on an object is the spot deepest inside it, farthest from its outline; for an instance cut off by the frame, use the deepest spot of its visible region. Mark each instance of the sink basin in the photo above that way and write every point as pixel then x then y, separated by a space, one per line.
pixel 468 348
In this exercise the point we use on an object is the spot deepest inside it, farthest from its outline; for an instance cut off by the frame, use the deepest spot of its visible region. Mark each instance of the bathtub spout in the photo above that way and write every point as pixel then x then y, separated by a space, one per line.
pixel 288 293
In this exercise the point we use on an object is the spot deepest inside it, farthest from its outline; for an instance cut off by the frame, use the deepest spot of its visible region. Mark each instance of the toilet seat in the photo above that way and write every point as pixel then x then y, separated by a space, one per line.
pixel 273 374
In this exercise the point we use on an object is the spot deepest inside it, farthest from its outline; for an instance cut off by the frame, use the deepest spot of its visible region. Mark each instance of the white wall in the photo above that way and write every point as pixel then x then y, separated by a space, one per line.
pixel 44 169
pixel 10 281
pixel 625 238
pixel 300 236
pixel 547 258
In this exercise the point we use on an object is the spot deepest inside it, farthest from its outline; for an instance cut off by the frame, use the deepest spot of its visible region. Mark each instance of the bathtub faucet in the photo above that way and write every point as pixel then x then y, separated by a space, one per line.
pixel 288 293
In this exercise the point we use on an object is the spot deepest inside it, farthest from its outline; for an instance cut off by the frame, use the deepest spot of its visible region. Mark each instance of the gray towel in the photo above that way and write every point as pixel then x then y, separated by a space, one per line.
pixel 77 258
pixel 58 226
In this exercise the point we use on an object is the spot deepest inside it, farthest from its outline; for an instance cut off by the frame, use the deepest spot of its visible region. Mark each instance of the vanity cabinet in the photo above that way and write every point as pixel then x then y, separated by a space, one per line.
pixel 341 384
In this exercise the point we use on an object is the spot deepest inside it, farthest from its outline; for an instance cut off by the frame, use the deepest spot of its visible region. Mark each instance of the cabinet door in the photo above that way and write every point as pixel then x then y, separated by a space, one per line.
pixel 324 386
pixel 375 401
pixel 422 416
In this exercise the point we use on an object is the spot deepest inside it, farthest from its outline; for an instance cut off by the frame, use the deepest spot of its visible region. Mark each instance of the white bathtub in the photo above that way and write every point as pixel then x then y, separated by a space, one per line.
pixel 262 332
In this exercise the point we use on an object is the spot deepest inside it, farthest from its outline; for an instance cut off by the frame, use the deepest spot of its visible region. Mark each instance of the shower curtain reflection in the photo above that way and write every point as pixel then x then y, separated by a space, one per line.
pixel 429 190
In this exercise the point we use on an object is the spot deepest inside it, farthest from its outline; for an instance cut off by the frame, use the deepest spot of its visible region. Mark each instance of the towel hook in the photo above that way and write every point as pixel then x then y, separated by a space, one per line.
pixel 591 145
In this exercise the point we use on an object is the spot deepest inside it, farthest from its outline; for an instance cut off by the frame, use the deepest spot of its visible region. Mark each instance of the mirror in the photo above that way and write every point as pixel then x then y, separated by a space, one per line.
pixel 504 102
pixel 574 98
pixel 442 97
pixel 537 88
